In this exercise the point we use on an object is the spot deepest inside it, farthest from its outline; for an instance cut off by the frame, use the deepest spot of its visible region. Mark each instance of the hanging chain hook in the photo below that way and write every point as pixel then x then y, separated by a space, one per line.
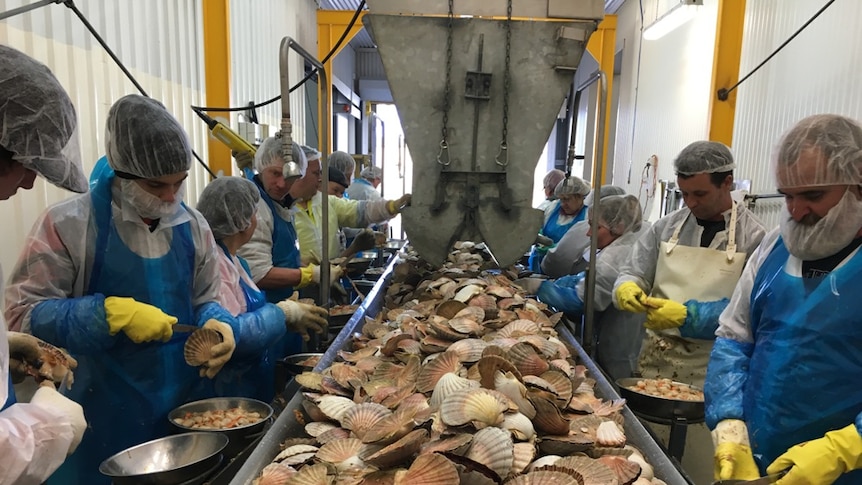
pixel 444 143
pixel 502 158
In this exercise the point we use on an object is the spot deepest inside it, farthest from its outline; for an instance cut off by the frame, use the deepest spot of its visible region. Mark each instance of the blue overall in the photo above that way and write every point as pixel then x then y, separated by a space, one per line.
pixel 285 254
pixel 251 370
pixel 10 397
pixel 554 230
pixel 803 378
pixel 126 389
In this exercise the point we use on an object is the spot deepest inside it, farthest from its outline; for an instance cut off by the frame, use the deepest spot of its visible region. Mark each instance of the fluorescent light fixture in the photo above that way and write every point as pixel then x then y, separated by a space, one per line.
pixel 679 14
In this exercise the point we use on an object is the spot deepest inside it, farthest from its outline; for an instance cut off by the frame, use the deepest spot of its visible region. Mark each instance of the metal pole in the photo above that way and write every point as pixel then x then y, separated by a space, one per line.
pixel 26 8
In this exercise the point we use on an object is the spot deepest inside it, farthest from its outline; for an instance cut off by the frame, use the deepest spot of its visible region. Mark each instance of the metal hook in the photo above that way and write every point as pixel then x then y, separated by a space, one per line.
pixel 444 147
pixel 504 150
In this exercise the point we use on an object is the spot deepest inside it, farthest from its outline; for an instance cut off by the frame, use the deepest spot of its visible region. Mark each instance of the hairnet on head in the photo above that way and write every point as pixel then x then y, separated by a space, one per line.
pixel 371 173
pixel 269 154
pixel 338 177
pixel 620 213
pixel 604 191
pixel 228 204
pixel 37 121
pixel 311 154
pixel 143 140
pixel 552 178
pixel 572 186
pixel 831 147
pixel 343 162
pixel 704 157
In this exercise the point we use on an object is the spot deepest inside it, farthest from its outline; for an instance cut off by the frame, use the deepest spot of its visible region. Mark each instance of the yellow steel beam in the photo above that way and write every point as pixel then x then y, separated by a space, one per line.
pixel 602 46
pixel 725 69
pixel 331 24
pixel 216 23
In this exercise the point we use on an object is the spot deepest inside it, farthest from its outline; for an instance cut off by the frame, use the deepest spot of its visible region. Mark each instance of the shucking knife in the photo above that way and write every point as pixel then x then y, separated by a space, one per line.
pixel 181 328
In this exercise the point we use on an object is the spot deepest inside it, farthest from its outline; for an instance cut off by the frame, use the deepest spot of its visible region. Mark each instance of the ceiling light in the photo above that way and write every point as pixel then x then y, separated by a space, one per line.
pixel 679 14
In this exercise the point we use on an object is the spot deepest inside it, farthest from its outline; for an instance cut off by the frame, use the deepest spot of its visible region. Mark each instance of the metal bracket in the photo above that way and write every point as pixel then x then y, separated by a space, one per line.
pixel 477 85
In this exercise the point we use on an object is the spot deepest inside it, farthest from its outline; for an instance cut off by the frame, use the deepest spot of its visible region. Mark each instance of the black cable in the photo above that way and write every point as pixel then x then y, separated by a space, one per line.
pixel 723 93
pixel 80 15
pixel 308 76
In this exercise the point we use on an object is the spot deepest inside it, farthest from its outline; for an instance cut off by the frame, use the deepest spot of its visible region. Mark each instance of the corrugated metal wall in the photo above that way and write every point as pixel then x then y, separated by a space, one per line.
pixel 161 48
pixel 257 29
pixel 818 72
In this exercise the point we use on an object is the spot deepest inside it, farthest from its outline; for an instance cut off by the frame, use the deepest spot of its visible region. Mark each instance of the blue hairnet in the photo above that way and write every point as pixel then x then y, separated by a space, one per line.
pixel 572 186
pixel 343 162
pixel 37 121
pixel 269 154
pixel 839 142
pixel 371 173
pixel 704 157
pixel 228 204
pixel 144 140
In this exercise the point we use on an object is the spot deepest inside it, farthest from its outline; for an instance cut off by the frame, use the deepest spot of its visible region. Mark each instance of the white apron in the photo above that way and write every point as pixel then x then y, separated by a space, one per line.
pixel 689 273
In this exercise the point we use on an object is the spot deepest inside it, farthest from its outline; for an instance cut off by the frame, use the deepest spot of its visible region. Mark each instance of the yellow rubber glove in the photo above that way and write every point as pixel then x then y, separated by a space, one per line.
pixel 222 352
pixel 820 461
pixel 733 458
pixel 663 314
pixel 139 321
pixel 630 297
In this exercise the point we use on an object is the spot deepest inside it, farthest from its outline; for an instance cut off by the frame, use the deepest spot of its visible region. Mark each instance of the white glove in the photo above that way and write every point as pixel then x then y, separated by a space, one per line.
pixel 46 397
pixel 530 285
pixel 335 273
pixel 221 353
pixel 301 317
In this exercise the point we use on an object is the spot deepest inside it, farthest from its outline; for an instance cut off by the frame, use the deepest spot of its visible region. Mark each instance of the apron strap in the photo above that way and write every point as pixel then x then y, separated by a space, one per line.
pixel 674 239
pixel 731 233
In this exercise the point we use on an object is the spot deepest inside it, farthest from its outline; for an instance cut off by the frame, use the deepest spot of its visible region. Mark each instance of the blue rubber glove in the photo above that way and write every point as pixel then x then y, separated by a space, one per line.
pixel 701 319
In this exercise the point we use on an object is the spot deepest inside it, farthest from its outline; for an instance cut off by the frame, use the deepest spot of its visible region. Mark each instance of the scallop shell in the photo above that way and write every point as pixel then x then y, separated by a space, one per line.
pixel 296 454
pixel 317 428
pixel 313 411
pixel 519 328
pixel 429 469
pixel 488 367
pixel 455 444
pixel 434 370
pixel 610 434
pixel 494 350
pixel 523 454
pixel 447 385
pixel 565 445
pixel 480 406
pixel 527 360
pixel 545 477
pixel 467 292
pixel 450 308
pixel 593 471
pixel 466 326
pixel 275 474
pixel 492 447
pixel 548 418
pixel 334 407
pixel 471 312
pixel 468 349
pixel 312 475
pixel 398 451
pixel 625 470
pixel 486 303
pixel 310 380
pixel 561 383
pixel 332 435
pixel 363 417
pixel 343 453
pixel 547 348
pixel 647 471
pixel 519 425
pixel 391 344
pixel 544 461
pixel 508 385
pixel 198 347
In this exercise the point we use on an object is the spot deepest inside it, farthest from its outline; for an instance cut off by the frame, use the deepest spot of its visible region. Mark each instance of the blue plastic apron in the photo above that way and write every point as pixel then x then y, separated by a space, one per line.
pixel 127 391
pixel 554 231
pixel 10 397
pixel 807 357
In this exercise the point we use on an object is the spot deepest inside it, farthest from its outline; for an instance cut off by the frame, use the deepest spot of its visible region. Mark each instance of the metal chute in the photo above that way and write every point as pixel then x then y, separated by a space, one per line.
pixel 477 97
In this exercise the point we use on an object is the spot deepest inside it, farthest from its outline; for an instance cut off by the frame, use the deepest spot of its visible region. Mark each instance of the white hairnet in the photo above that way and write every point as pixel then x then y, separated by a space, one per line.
pixel 37 121
pixel 143 140
pixel 704 157
pixel 228 204
pixel 621 213
pixel 311 154
pixel 269 154
pixel 371 173
pixel 604 191
pixel 572 186
pixel 552 178
pixel 836 144
pixel 343 162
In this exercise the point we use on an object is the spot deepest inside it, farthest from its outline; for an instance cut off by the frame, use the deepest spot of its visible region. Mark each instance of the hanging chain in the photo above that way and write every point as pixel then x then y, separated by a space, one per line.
pixel 504 145
pixel 444 144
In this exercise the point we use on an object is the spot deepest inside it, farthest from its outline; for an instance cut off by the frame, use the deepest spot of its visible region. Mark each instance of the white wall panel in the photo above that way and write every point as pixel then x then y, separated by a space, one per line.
pixel 158 40
pixel 818 72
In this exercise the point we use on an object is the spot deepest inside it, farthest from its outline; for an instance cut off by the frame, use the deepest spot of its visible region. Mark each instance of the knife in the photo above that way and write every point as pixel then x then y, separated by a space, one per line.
pixel 180 328
pixel 766 480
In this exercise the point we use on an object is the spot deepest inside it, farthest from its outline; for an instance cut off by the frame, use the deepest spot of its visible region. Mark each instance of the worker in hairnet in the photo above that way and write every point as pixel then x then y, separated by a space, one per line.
pixel 365 187
pixel 344 163
pixel 107 274
pixel 619 334
pixel 570 254
pixel 549 183
pixel 783 378
pixel 342 213
pixel 682 272
pixel 230 206
pixel 37 138
pixel 337 183
pixel 560 216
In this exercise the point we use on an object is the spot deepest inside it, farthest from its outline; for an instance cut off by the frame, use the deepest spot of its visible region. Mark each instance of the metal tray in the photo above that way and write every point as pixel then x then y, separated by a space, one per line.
pixel 659 407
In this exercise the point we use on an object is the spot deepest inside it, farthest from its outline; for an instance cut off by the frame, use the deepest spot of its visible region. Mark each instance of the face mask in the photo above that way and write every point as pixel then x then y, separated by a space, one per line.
pixel 829 235
pixel 148 205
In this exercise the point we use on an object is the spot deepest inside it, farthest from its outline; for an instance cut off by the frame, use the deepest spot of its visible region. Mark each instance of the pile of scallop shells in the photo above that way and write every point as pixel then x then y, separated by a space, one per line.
pixel 462 379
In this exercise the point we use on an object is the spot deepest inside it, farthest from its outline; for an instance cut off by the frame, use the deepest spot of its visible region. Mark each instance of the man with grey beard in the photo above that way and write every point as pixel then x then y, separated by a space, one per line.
pixel 783 386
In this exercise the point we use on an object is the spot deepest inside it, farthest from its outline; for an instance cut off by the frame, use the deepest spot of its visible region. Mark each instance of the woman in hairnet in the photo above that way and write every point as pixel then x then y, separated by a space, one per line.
pixel 619 333
pixel 230 206
pixel 549 183
pixel 107 274
pixel 783 388
pixel 560 216
pixel 365 187
pixel 37 138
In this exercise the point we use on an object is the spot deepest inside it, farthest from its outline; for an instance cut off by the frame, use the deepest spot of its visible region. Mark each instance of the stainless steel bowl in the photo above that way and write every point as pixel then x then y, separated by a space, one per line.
pixel 221 403
pixel 291 362
pixel 166 461
pixel 659 407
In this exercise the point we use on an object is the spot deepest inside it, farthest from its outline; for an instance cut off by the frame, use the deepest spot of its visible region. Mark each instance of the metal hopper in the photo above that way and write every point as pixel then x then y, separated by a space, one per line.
pixel 478 85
